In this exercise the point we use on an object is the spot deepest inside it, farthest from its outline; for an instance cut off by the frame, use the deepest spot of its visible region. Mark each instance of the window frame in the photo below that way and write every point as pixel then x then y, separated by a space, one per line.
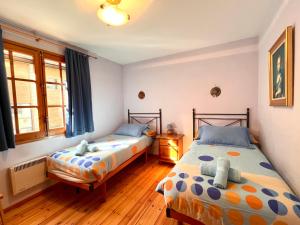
pixel 38 61
pixel 61 60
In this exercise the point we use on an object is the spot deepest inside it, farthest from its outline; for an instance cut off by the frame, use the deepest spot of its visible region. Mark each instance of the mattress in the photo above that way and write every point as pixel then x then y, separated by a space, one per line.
pixel 262 198
pixel 93 166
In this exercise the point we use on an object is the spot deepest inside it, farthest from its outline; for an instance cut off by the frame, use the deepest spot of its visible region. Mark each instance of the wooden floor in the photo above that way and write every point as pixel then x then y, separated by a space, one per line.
pixel 131 199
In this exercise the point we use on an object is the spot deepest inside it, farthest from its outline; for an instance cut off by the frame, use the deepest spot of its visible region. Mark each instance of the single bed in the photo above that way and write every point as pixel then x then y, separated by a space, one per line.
pixel 94 168
pixel 262 198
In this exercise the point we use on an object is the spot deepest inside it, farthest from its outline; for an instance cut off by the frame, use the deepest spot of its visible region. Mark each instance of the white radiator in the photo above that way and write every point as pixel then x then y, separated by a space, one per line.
pixel 28 174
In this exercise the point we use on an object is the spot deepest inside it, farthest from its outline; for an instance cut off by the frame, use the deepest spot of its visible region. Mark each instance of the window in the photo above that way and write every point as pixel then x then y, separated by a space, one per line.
pixel 56 93
pixel 37 90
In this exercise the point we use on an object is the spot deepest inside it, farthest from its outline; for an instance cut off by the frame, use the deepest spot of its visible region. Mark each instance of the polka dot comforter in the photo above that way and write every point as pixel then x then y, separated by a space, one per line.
pixel 262 198
pixel 114 150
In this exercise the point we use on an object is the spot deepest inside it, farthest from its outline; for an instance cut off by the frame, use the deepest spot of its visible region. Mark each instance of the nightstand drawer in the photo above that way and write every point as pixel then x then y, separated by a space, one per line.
pixel 167 142
pixel 168 152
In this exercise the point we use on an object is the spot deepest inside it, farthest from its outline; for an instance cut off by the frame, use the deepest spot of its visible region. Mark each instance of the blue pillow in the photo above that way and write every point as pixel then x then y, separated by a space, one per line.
pixel 134 130
pixel 228 136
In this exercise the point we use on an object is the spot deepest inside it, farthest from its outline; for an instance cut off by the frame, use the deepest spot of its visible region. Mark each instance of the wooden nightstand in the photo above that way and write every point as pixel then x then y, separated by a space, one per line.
pixel 170 147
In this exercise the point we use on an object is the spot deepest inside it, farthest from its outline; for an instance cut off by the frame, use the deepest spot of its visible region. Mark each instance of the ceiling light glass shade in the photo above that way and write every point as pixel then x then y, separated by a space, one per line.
pixel 112 15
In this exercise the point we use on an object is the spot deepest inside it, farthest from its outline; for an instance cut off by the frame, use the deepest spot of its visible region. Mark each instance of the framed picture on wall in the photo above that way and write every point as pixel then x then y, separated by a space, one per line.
pixel 281 70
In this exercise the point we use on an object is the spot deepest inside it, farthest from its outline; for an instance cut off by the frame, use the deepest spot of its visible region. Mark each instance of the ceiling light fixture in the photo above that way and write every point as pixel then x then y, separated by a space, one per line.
pixel 110 14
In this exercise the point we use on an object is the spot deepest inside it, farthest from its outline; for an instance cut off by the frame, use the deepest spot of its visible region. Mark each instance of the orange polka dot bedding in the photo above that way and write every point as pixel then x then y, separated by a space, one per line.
pixel 262 198
pixel 93 166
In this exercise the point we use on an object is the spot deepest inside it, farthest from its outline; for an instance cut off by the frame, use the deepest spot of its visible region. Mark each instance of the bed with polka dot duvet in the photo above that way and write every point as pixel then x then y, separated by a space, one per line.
pixel 94 166
pixel 261 198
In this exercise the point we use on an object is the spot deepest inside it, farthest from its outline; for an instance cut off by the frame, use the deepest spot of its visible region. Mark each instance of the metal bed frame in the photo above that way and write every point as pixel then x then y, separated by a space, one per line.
pixel 208 118
pixel 150 117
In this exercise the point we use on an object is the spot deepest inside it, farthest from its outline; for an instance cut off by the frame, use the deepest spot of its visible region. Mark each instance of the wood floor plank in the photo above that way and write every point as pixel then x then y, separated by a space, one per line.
pixel 153 211
pixel 137 196
pixel 23 209
pixel 143 203
pixel 132 193
pixel 51 203
pixel 131 199
pixel 119 199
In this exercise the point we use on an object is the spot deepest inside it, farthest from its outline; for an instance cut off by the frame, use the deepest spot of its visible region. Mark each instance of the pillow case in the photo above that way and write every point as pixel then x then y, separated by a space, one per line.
pixel 228 136
pixel 134 130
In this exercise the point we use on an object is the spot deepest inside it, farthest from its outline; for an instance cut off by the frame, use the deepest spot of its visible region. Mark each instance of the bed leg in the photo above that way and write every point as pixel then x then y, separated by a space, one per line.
pixel 77 190
pixel 103 192
pixel 168 212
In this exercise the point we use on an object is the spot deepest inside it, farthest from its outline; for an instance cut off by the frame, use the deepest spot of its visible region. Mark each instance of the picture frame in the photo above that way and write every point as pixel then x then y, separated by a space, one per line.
pixel 281 66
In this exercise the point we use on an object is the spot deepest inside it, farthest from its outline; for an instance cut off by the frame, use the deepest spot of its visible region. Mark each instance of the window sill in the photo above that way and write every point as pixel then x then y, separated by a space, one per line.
pixel 21 142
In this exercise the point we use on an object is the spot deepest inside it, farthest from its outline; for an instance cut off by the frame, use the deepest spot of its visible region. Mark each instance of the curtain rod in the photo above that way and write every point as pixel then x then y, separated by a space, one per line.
pixel 37 38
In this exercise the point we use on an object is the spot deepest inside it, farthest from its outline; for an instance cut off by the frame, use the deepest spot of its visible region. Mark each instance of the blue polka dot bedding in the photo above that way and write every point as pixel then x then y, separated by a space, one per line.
pixel 94 166
pixel 261 198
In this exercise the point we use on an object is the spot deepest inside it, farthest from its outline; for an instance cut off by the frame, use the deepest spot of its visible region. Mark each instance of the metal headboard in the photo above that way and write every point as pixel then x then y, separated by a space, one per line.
pixel 147 118
pixel 208 118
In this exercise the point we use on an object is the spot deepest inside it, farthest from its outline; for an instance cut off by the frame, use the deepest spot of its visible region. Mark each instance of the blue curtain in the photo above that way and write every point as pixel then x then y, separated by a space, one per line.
pixel 80 112
pixel 7 137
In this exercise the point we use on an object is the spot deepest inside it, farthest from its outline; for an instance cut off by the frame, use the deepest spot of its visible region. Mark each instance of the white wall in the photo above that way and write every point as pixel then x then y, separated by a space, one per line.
pixel 106 80
pixel 280 126
pixel 181 82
